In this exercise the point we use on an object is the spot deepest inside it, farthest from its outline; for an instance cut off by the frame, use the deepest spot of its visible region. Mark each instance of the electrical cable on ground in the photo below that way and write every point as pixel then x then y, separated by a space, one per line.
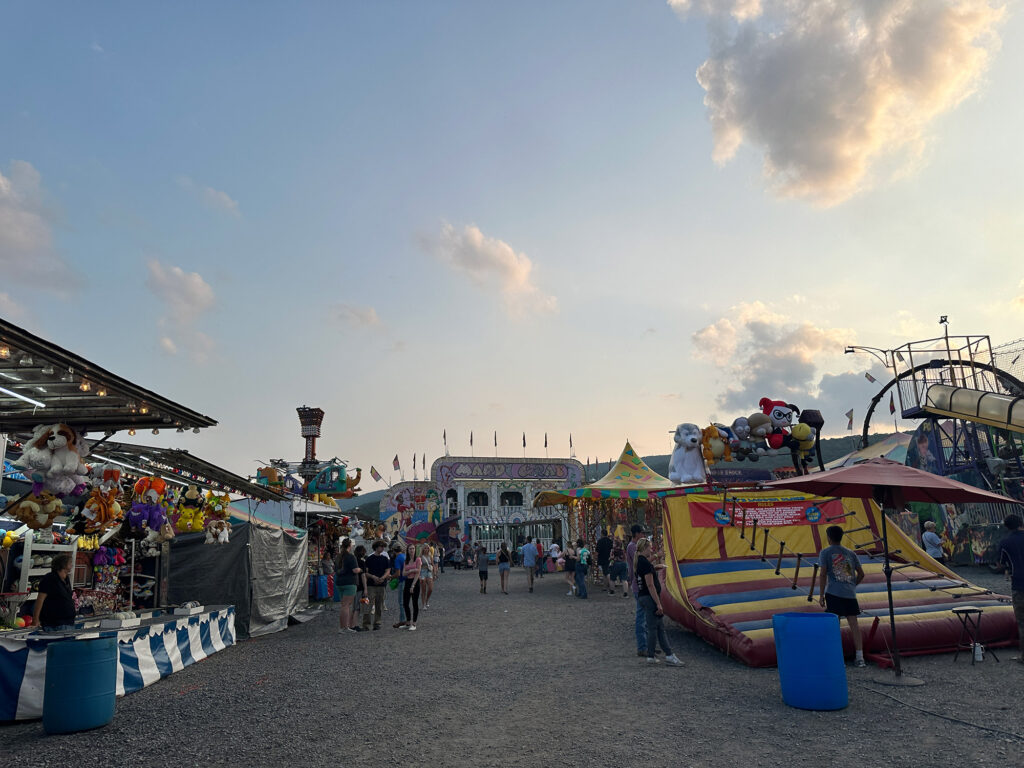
pixel 1010 734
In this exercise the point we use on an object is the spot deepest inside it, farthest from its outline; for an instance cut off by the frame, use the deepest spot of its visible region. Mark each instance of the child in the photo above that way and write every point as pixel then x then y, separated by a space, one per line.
pixel 840 575
pixel 481 558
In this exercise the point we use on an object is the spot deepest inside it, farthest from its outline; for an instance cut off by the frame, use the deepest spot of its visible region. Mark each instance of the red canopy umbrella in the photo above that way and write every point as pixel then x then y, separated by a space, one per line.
pixel 891 484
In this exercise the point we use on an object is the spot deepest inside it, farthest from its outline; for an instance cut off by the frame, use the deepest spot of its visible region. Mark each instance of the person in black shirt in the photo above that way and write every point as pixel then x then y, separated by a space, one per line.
pixel 604 558
pixel 55 608
pixel 378 572
pixel 1011 555
pixel 345 579
pixel 649 595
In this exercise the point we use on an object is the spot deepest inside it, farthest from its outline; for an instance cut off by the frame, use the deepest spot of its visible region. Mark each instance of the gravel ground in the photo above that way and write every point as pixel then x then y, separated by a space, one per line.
pixel 529 680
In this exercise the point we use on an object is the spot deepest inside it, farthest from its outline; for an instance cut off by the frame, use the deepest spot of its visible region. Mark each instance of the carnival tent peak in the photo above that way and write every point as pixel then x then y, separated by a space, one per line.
pixel 629 478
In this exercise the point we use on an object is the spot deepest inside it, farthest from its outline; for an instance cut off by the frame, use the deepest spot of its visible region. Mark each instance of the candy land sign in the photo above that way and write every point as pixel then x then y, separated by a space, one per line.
pixel 769 512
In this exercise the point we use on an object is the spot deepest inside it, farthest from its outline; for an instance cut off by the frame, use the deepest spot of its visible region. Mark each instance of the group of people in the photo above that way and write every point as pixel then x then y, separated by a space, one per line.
pixel 361 583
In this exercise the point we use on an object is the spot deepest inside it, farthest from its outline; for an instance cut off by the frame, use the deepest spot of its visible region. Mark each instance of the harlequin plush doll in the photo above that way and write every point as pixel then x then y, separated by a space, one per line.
pixel 781 416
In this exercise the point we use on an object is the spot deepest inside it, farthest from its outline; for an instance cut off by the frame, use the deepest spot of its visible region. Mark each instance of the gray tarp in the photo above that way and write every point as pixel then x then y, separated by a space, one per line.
pixel 261 571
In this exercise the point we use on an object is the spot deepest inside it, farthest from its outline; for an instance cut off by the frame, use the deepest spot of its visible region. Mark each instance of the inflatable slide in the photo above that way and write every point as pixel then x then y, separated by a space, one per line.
pixel 741 556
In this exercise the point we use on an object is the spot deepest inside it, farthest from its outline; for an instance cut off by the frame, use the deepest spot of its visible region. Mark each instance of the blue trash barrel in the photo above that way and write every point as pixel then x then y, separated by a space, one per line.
pixel 80 688
pixel 812 672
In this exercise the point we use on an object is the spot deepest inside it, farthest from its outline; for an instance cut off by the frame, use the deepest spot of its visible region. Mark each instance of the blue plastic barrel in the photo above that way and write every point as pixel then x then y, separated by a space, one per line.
pixel 80 688
pixel 812 672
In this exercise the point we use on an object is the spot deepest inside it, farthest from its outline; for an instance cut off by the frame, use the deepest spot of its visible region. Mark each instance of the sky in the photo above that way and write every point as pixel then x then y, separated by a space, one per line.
pixel 598 218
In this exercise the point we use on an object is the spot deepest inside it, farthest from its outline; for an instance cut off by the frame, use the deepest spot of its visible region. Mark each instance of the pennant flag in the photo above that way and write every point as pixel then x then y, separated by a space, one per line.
pixel 899 357
pixel 445 436
pixel 570 441
pixel 545 439
pixel 423 459
pixel 869 377
pixel 849 415
pixel 414 462
pixel 471 438
pixel 395 463
pixel 524 439
pixel 374 474
pixel 892 404
pixel 495 438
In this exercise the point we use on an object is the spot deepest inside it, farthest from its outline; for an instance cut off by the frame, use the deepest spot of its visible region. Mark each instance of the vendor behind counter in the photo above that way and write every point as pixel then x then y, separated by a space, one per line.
pixel 55 607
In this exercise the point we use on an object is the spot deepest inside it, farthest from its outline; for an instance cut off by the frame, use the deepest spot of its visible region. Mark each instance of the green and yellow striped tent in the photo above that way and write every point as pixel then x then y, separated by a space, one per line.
pixel 629 478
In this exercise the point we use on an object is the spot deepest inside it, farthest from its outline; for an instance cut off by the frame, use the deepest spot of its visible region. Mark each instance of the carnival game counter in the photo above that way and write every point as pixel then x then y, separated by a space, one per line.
pixel 160 645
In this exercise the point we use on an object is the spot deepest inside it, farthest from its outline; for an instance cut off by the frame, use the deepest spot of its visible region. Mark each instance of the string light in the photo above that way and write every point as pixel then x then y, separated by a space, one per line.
pixel 26 361
pixel 131 432
pixel 144 410
pixel 156 431
pixel 5 352
pixel 101 392
pixel 85 386
pixel 46 370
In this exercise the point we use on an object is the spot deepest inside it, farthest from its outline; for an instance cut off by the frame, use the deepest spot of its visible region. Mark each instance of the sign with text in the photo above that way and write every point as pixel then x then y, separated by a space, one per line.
pixel 768 511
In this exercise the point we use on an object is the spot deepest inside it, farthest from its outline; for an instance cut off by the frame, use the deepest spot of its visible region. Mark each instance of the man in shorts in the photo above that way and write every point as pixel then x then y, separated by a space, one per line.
pixel 837 585
pixel 529 555
pixel 604 558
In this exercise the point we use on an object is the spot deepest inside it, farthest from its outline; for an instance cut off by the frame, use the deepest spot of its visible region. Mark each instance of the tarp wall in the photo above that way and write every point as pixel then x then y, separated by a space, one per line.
pixel 261 571
pixel 279 579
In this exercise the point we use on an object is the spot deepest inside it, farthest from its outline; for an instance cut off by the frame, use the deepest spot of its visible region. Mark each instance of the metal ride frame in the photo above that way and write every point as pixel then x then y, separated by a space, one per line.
pixel 954 361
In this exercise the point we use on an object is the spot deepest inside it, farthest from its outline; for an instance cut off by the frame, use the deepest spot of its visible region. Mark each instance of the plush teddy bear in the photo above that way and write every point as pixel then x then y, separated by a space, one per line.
pixel 715 445
pixel 217 506
pixel 687 465
pixel 218 532
pixel 37 510
pixel 190 511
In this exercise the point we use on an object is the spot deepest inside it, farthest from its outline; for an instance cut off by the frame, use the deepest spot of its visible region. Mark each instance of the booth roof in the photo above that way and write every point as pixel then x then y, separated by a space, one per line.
pixel 629 478
pixel 41 383
pixel 176 464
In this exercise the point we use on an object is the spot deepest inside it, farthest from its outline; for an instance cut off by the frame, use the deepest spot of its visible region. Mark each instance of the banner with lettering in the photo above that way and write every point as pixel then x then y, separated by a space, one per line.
pixel 770 512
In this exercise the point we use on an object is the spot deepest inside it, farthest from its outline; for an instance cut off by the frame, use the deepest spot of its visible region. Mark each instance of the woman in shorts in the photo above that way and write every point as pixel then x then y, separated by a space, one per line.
pixel 504 566
pixel 345 579
pixel 619 572
pixel 427 576
pixel 569 553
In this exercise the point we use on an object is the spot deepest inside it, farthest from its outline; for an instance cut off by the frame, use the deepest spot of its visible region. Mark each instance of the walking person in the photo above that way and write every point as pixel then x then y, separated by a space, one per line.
pixel 1011 555
pixel 649 591
pixel 837 585
pixel 619 573
pixel 398 572
pixel 345 580
pixel 529 560
pixel 504 566
pixel 540 560
pixel 640 623
pixel 582 566
pixel 604 558
pixel 360 597
pixel 427 575
pixel 569 555
pixel 413 567
pixel 481 564
pixel 378 572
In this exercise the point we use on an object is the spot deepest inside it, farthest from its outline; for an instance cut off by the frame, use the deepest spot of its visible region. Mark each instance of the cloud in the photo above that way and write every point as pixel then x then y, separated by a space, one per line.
pixel 96 47
pixel 186 297
pixel 827 89
pixel 355 316
pixel 213 199
pixel 766 354
pixel 9 308
pixel 488 261
pixel 27 255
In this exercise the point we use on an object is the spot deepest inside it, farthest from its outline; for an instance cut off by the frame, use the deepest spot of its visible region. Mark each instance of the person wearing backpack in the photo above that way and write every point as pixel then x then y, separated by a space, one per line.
pixel 582 565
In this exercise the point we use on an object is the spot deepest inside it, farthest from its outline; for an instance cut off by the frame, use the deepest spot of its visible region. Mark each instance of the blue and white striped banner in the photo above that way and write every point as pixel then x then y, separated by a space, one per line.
pixel 145 654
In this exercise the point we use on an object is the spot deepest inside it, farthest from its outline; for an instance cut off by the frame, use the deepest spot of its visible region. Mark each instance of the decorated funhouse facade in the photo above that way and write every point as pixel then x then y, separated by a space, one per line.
pixel 486 500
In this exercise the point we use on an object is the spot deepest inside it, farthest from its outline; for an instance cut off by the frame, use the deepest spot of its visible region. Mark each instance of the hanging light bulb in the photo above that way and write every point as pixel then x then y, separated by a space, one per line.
pixel 26 361
pixel 85 386
pixel 46 370
pixel 144 410
pixel 156 431
pixel 179 430
pixel 196 430
pixel 5 352
pixel 101 392
pixel 67 378
pixel 131 432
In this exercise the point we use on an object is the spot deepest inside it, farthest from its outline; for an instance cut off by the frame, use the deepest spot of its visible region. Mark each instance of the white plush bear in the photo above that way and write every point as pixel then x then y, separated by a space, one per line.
pixel 687 464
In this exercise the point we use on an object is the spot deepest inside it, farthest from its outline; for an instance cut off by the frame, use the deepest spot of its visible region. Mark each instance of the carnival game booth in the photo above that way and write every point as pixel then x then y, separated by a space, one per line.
pixel 737 557
pixel 625 496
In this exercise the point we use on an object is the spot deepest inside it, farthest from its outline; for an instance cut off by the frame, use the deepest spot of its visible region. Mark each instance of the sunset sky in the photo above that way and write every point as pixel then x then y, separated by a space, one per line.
pixel 596 217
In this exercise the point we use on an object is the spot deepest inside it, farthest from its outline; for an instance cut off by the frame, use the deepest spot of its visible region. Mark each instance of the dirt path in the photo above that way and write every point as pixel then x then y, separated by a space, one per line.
pixel 531 680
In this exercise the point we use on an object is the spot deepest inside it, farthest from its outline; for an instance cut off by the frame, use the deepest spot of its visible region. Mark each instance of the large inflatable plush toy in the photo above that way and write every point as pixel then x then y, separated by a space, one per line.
pixel 781 416
pixel 687 464
pixel 53 460
pixel 803 434
pixel 191 518
pixel 741 444
pixel 715 444
pixel 760 427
